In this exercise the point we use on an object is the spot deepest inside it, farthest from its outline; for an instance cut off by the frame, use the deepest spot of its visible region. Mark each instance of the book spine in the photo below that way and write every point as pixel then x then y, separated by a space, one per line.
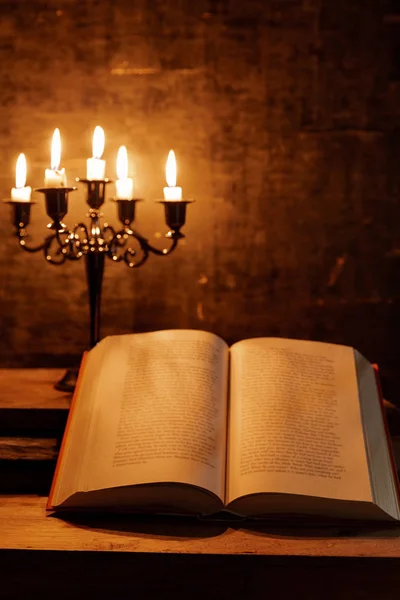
pixel 49 505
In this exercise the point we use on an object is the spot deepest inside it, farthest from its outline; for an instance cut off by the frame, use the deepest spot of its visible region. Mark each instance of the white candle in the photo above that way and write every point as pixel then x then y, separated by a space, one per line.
pixel 172 192
pixel 95 167
pixel 124 184
pixel 55 177
pixel 21 193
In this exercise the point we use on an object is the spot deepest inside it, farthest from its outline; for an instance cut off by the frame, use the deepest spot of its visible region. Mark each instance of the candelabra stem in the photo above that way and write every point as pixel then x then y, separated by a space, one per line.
pixel 94 277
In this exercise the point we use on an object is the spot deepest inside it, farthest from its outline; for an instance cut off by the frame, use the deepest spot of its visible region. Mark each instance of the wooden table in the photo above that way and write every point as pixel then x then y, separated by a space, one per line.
pixel 115 557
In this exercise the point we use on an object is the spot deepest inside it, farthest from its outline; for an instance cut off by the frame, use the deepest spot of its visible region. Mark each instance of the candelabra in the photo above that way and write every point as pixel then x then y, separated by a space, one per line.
pixel 94 242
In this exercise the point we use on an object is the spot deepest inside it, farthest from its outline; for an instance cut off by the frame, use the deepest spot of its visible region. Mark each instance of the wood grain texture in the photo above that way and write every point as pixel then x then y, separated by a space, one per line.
pixel 29 404
pixel 24 389
pixel 24 525
pixel 30 449
pixel 284 119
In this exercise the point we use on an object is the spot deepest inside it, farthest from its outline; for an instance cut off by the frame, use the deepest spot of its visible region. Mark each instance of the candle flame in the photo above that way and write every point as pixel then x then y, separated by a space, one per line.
pixel 122 163
pixel 56 150
pixel 98 142
pixel 20 171
pixel 170 170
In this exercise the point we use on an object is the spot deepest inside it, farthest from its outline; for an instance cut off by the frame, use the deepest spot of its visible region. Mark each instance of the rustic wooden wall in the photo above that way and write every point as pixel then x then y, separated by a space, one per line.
pixel 284 116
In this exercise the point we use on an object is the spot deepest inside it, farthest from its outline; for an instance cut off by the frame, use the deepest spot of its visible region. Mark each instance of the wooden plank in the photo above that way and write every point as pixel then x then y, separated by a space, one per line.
pixel 29 404
pixel 27 465
pixel 30 449
pixel 24 525
pixel 32 388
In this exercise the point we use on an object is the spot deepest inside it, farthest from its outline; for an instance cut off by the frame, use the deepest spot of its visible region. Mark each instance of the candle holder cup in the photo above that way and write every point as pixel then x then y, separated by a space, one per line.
pixel 95 242
pixel 96 191
pixel 56 200
pixel 175 215
pixel 127 210
pixel 21 213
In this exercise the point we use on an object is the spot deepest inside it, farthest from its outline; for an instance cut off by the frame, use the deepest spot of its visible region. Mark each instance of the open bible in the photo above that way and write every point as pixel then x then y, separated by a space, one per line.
pixel 178 422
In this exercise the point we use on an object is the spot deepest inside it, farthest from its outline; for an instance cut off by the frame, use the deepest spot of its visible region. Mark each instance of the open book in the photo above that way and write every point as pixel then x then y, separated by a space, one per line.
pixel 178 422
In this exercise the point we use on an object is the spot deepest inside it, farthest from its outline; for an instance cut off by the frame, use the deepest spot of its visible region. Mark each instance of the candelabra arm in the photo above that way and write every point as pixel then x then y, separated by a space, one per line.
pixel 164 251
pixel 22 237
pixel 81 227
pixel 121 239
pixel 129 254
pixel 108 229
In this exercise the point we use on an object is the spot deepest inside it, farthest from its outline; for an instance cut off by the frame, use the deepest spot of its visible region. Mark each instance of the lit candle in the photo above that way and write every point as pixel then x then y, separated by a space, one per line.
pixel 95 167
pixel 124 184
pixel 21 193
pixel 172 192
pixel 55 177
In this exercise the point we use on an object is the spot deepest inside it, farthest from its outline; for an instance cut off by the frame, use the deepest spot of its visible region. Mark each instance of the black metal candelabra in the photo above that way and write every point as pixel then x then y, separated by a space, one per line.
pixel 95 242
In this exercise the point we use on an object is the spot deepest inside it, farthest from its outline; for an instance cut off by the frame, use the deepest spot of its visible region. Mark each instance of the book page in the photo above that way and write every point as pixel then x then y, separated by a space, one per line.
pixel 159 412
pixel 295 425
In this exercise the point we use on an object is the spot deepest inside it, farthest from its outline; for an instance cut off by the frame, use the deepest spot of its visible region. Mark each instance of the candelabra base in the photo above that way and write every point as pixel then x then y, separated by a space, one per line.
pixel 68 382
